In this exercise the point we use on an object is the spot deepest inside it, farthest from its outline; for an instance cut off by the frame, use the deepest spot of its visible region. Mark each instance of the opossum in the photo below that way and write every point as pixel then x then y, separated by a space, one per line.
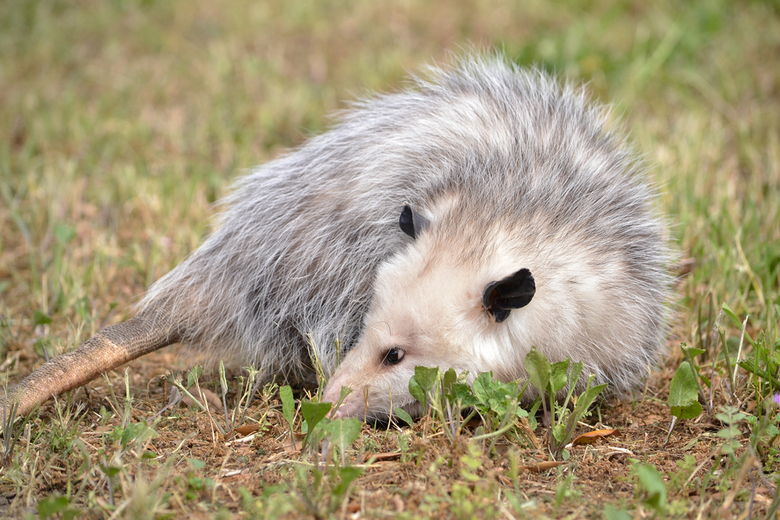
pixel 481 211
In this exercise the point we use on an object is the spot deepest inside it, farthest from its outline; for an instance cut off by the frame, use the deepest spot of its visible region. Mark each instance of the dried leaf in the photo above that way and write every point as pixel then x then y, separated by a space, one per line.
pixel 247 429
pixel 591 437
pixel 291 447
pixel 378 457
pixel 542 466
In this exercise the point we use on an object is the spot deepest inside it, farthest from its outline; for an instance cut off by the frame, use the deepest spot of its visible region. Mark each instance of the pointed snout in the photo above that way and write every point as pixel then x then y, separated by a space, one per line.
pixel 351 406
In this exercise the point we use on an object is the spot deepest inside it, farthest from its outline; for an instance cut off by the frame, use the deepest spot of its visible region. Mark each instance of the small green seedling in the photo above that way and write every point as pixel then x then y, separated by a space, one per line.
pixel 494 397
pixel 551 378
pixel 403 415
pixel 193 379
pixel 312 414
pixel 422 384
pixel 730 416
pixel 322 492
pixel 497 402
pixel 684 393
pixel 288 409
pixel 454 402
pixel 342 433
pixel 111 471
pixel 650 486
pixel 56 505
pixel 437 392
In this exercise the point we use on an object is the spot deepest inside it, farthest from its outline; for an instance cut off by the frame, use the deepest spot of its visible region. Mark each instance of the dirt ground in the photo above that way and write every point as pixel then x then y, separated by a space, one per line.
pixel 598 473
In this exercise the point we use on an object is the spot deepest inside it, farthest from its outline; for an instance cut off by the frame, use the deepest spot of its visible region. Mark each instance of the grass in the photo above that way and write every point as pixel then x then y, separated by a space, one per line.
pixel 122 123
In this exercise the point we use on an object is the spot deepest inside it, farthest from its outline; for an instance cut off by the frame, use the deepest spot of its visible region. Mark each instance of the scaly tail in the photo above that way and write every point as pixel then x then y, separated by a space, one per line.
pixel 111 347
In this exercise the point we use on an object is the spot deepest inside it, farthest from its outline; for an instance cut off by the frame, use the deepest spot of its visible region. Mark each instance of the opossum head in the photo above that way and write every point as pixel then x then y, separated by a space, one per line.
pixel 430 308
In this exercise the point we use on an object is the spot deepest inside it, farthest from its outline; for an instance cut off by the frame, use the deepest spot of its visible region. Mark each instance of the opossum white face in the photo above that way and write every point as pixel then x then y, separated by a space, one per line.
pixel 428 310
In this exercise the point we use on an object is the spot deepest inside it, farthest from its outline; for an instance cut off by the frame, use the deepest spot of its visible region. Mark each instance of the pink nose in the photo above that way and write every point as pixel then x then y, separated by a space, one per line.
pixel 332 394
pixel 352 406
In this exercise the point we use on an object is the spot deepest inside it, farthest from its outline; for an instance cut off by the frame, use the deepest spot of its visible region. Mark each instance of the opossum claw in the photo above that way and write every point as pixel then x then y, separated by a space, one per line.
pixel 513 292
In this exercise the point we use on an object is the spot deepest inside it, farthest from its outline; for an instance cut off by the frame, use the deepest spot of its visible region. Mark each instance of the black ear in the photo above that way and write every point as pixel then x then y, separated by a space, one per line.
pixel 411 222
pixel 510 293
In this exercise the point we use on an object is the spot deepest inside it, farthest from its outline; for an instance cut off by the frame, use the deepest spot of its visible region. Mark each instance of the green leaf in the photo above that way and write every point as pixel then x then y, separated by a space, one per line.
pixel 63 233
pixel 348 474
pixel 194 375
pixel 587 398
pixel 574 376
pixel 482 385
pixel 559 375
pixel 223 377
pixel 403 415
pixel 751 366
pixel 313 413
pixel 733 418
pixel 611 513
pixel 684 393
pixel 128 434
pixel 538 370
pixel 493 396
pixel 288 404
pixel 421 384
pixel 418 393
pixel 652 483
pixel 343 432
pixel 532 422
pixel 728 312
pixel 463 394
pixel 110 471
pixel 558 432
pixel 196 464
pixel 447 381
pixel 52 505
pixel 693 351
pixel 40 318
pixel 691 411
pixel 426 377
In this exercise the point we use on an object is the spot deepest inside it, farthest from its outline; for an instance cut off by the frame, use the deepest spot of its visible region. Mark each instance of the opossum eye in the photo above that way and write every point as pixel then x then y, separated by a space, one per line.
pixel 513 292
pixel 393 356
pixel 411 222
